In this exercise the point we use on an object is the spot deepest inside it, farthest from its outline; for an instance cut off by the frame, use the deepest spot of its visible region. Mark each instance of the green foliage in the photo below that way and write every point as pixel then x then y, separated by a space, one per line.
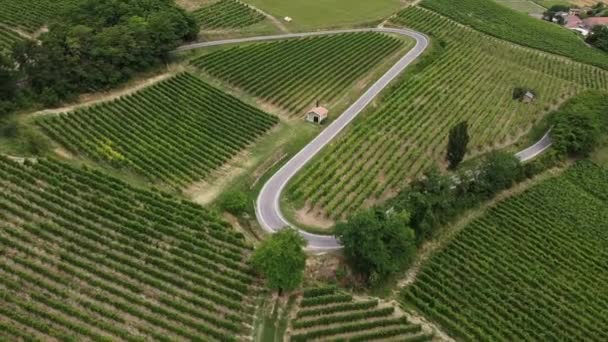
pixel 176 131
pixel 579 124
pixel 499 172
pixel 66 225
pixel 457 144
pixel 599 37
pixel 281 260
pixel 377 243
pixel 98 44
pixel 508 24
pixel 8 84
pixel 227 14
pixel 539 255
pixel 294 73
pixel 234 202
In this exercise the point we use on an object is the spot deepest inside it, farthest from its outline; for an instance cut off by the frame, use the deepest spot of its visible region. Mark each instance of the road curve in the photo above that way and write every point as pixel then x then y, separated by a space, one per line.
pixel 268 209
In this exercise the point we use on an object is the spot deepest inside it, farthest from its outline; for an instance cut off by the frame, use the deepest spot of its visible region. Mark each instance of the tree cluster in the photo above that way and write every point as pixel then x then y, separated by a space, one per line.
pixel 553 10
pixel 435 199
pixel 579 124
pixel 8 84
pixel 377 242
pixel 100 43
pixel 599 37
pixel 281 260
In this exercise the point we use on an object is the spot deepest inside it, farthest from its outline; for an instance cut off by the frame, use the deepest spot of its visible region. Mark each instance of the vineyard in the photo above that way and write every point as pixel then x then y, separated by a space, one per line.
pixel 87 257
pixel 408 132
pixel 494 19
pixel 293 74
pixel 533 268
pixel 29 15
pixel 7 39
pixel 227 14
pixel 176 131
pixel 327 314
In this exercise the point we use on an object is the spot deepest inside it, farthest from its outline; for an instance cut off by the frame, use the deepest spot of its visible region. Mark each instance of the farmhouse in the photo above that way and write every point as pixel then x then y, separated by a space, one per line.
pixel 317 114
pixel 528 97
pixel 589 23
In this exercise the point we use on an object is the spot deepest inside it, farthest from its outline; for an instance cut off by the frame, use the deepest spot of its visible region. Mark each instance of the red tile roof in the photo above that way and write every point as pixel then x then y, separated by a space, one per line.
pixel 594 21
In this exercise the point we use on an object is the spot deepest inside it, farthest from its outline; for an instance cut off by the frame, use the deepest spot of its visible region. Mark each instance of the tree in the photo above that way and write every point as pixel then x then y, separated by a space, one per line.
pixel 234 202
pixel 100 43
pixel 457 145
pixel 599 37
pixel 8 84
pixel 377 243
pixel 499 171
pixel 281 260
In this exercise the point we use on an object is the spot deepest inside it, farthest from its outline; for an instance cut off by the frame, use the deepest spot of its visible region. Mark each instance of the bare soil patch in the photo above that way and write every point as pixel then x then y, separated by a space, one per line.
pixel 63 153
pixel 314 217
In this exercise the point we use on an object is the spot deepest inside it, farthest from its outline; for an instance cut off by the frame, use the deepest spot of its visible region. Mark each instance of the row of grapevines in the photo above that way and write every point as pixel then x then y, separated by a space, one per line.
pixel 29 15
pixel 293 74
pixel 348 319
pixel 227 14
pixel 535 262
pixel 408 133
pixel 176 131
pixel 90 257
pixel 8 38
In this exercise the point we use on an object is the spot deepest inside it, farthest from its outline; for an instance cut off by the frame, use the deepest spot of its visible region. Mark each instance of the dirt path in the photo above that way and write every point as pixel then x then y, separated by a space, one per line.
pixel 87 100
pixel 275 21
pixel 18 31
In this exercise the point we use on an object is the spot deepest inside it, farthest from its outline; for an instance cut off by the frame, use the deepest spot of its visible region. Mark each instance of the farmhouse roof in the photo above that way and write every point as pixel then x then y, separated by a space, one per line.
pixel 529 94
pixel 320 111
pixel 594 21
pixel 574 22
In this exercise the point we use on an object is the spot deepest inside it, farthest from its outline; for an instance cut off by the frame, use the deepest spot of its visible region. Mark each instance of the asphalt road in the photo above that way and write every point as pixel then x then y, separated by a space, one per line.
pixel 268 209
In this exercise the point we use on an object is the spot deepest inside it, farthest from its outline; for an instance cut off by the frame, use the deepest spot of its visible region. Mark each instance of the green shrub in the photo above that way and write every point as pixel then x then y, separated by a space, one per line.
pixel 234 202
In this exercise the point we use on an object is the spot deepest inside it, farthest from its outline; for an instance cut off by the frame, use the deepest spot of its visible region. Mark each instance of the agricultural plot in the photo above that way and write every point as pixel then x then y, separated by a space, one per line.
pixel 29 15
pixel 227 14
pixel 408 132
pixel 293 74
pixel 7 39
pixel 499 21
pixel 176 131
pixel 526 6
pixel 326 314
pixel 87 257
pixel 533 268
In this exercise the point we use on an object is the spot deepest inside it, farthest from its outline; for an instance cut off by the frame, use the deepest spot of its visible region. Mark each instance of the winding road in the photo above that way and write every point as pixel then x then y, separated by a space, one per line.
pixel 268 209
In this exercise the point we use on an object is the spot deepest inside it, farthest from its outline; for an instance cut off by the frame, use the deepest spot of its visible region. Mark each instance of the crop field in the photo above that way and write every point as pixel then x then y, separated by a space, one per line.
pixel 227 14
pixel 29 15
pixel 326 314
pixel 87 257
pixel 317 14
pixel 526 6
pixel 176 131
pixel 494 19
pixel 533 268
pixel 8 38
pixel 408 132
pixel 293 74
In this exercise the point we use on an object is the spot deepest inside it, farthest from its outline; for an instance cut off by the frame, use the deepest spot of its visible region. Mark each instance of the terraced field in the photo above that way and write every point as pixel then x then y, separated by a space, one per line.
pixel 227 14
pixel 176 131
pixel 29 15
pixel 293 74
pixel 533 268
pixel 326 314
pixel 494 19
pixel 87 257
pixel 409 131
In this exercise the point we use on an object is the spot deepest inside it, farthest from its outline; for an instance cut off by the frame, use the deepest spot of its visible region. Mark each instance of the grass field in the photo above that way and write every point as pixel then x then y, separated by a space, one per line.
pixel 327 314
pixel 29 15
pixel 532 268
pixel 227 14
pixel 526 6
pixel 176 131
pixel 294 74
pixel 86 257
pixel 317 14
pixel 408 132
pixel 494 19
